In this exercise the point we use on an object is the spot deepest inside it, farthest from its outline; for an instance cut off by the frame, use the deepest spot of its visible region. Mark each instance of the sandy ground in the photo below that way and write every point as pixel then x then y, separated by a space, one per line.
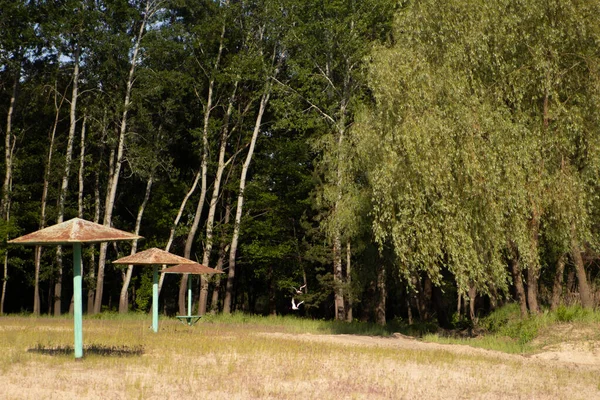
pixel 580 353
pixel 431 371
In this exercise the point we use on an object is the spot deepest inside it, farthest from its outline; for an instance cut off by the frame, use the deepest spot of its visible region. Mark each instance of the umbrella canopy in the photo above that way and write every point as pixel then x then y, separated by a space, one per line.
pixel 75 230
pixel 153 256
pixel 190 269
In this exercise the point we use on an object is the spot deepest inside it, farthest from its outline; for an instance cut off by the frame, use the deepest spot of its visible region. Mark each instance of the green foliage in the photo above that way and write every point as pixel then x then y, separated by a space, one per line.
pixel 471 142
pixel 143 299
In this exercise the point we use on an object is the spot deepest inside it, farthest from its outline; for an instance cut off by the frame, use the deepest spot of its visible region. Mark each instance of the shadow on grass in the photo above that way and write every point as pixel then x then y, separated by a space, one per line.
pixel 93 349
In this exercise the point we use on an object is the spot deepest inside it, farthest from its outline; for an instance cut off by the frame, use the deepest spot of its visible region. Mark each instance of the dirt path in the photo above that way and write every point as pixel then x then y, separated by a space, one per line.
pixel 578 354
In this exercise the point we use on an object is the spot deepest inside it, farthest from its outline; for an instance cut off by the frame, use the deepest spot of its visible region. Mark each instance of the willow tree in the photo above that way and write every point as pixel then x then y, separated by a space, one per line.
pixel 430 143
pixel 465 142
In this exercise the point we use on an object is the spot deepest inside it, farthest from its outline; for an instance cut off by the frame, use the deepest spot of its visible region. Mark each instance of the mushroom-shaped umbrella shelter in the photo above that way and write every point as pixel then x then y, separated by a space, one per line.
pixel 154 257
pixel 191 269
pixel 74 232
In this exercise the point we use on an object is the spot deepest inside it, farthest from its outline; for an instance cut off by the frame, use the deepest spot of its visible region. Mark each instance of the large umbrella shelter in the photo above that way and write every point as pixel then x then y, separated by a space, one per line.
pixel 154 257
pixel 74 232
pixel 190 269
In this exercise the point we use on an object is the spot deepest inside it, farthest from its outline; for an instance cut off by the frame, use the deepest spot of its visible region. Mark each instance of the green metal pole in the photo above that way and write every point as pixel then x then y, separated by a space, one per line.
pixel 155 300
pixel 189 295
pixel 77 307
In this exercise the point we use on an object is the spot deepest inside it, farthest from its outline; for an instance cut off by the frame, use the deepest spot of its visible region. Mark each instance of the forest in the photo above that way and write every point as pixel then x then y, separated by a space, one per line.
pixel 378 160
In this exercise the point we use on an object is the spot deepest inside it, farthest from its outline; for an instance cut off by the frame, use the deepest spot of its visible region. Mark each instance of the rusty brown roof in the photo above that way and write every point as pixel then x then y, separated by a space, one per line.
pixel 75 230
pixel 153 256
pixel 191 269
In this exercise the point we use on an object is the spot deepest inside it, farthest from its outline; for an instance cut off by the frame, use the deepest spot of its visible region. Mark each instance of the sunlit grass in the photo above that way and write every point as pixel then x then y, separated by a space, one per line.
pixel 243 356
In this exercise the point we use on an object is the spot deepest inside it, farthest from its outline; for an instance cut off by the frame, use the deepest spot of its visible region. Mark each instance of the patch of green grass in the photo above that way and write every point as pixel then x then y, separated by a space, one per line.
pixel 113 315
pixel 505 330
pixel 294 324
pixel 490 342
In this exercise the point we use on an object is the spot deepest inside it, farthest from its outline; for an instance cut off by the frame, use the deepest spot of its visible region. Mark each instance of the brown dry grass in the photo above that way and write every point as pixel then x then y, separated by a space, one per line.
pixel 249 361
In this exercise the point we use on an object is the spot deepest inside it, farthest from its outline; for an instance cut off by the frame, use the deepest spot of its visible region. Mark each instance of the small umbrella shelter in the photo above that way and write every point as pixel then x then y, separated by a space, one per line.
pixel 74 232
pixel 154 257
pixel 190 269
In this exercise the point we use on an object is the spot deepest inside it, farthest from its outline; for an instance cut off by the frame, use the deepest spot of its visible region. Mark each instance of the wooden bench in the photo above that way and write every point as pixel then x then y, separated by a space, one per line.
pixel 188 319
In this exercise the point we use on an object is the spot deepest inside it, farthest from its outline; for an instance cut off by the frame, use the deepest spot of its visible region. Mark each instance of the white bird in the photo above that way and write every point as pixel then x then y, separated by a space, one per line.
pixel 294 305
pixel 299 291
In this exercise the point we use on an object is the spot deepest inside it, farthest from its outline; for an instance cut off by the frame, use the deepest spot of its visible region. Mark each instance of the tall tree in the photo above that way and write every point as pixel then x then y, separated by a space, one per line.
pixel 327 46
pixel 145 15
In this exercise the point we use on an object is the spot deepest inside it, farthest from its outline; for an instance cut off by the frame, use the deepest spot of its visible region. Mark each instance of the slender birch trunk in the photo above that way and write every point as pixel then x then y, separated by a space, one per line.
pixel 192 234
pixel 223 247
pixel 81 174
pixel 338 277
pixel 124 298
pixel 44 203
pixel 349 282
pixel 176 223
pixel 114 182
pixel 240 203
pixel 92 270
pixel 213 203
pixel 204 185
pixel 64 187
pixel 80 180
pixel 9 147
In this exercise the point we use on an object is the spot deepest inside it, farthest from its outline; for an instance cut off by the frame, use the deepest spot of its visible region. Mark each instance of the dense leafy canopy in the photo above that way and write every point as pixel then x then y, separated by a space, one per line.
pixel 417 152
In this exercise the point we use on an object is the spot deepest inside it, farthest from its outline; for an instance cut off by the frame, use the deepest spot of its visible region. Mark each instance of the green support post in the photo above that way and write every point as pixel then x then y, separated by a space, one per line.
pixel 155 300
pixel 77 306
pixel 189 295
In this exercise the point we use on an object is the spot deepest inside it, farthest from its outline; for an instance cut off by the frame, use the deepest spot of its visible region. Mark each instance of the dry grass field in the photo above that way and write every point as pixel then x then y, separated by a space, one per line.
pixel 275 360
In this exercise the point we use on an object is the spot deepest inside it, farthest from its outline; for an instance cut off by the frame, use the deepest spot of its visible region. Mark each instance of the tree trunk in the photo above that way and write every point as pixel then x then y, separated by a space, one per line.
pixel 558 282
pixel 9 142
pixel 191 236
pixel 64 187
pixel 472 297
pixel 81 174
pixel 176 223
pixel 213 202
pixel 223 247
pixel 338 279
pixel 123 297
pixel 584 289
pixel 207 111
pixel 532 290
pixel 240 204
pixel 114 182
pixel 7 184
pixel 44 203
pixel 80 178
pixel 349 281
pixel 196 222
pixel 92 270
pixel 381 296
pixel 408 308
pixel 515 269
